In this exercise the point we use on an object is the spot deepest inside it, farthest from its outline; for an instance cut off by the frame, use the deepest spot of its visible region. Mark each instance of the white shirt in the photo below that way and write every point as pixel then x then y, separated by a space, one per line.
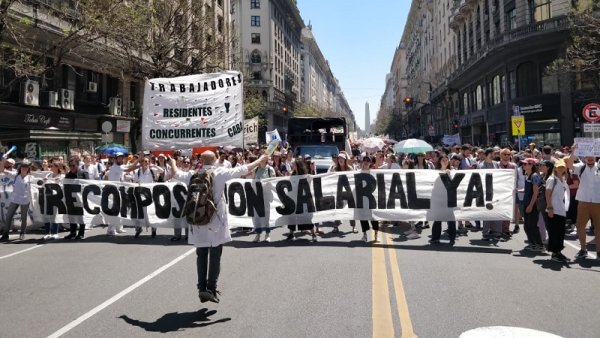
pixel 393 166
pixel 21 194
pixel 143 176
pixel 225 164
pixel 92 170
pixel 182 176
pixel 560 195
pixel 115 173
pixel 589 183
pixel 217 231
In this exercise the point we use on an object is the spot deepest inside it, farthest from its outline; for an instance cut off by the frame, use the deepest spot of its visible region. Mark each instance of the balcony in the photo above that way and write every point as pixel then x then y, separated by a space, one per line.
pixel 533 30
pixel 460 12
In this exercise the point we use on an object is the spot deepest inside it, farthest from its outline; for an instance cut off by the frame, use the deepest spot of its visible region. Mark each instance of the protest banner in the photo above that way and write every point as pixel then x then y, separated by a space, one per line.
pixel 251 131
pixel 451 140
pixel 193 111
pixel 403 195
pixel 272 136
pixel 587 146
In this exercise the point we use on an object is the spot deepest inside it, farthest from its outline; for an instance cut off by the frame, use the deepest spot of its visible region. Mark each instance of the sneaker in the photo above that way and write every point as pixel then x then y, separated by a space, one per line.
pixel 138 231
pixel 55 236
pixel 365 238
pixel 563 257
pixel 451 242
pixel 21 237
pixel 121 231
pixel 289 237
pixel 79 237
pixel 314 239
pixel 434 241
pixel 213 295
pixel 70 236
pixel 376 240
pixel 256 238
pixel 414 235
pixel 267 239
pixel 529 247
pixel 581 254
pixel 46 237
pixel 175 238
pixel 203 295
pixel 556 258
pixel 516 229
pixel 539 248
pixel 111 233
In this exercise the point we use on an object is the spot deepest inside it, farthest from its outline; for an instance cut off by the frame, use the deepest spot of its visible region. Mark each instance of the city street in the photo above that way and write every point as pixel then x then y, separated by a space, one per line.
pixel 338 287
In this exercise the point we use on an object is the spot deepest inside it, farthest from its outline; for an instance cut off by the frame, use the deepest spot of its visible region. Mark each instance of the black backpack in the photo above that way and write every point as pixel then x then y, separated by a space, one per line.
pixel 200 206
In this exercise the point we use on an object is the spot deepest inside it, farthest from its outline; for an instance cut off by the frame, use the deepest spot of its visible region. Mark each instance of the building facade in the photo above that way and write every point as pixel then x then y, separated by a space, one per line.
pixel 472 64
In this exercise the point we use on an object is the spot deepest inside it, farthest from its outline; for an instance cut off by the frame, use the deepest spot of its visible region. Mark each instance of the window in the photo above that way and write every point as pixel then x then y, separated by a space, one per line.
pixel 479 98
pixel 256 76
pixel 539 10
pixel 220 24
pixel 496 91
pixel 511 19
pixel 465 104
pixel 255 57
pixel 255 21
pixel 512 78
pixel 255 4
pixel 549 81
pixel 526 79
pixel 255 37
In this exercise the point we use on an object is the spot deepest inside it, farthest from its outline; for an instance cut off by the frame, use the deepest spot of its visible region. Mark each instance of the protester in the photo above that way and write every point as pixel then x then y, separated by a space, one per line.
pixel 145 174
pixel 75 173
pixel 443 165
pixel 532 183
pixel 55 176
pixel 342 164
pixel 557 199
pixel 263 171
pixel 301 167
pixel 209 239
pixel 115 173
pixel 182 175
pixel 20 197
pixel 367 162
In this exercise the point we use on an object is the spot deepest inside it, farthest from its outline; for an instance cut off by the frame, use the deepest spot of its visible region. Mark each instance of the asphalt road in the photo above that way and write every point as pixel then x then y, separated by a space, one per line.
pixel 337 287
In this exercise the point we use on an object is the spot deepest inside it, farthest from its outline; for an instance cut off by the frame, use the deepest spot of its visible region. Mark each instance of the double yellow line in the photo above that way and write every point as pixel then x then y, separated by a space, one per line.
pixel 383 325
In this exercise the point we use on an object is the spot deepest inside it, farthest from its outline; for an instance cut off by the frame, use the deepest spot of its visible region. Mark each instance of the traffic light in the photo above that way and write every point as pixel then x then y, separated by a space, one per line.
pixel 284 109
pixel 408 102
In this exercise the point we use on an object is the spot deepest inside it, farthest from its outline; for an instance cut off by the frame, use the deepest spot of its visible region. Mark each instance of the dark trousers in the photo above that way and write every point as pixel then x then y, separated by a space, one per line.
pixel 530 226
pixel 572 212
pixel 556 233
pixel 208 261
pixel 365 225
pixel 73 228
pixel 436 230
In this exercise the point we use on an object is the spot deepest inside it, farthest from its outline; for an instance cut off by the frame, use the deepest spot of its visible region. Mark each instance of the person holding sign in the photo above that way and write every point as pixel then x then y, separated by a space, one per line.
pixel 209 239
pixel 20 197
pixel 588 199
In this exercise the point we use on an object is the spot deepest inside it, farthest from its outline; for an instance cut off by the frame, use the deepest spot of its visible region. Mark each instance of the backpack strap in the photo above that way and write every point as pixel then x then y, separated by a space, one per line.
pixel 582 170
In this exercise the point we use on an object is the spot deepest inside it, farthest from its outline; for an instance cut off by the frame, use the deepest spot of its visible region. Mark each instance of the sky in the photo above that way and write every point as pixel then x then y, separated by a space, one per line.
pixel 359 39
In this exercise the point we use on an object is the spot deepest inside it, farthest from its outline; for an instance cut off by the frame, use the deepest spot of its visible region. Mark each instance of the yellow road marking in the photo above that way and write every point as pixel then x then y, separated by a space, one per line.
pixel 401 303
pixel 383 326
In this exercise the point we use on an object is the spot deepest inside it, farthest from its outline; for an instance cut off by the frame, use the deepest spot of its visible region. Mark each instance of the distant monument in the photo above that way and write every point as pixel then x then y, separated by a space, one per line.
pixel 367 119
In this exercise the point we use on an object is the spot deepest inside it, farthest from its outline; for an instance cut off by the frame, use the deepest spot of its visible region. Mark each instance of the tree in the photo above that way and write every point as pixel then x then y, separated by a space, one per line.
pixel 255 105
pixel 306 110
pixel 582 56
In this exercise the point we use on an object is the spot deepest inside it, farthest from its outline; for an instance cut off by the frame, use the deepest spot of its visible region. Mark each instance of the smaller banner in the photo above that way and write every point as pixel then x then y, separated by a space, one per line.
pixel 272 136
pixel 451 139
pixel 193 111
pixel 251 131
pixel 587 146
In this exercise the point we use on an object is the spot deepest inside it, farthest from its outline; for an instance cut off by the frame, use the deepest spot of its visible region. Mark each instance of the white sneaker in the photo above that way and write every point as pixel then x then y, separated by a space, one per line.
pixel 121 231
pixel 111 233
pixel 267 239
pixel 55 236
pixel 364 238
pixel 413 235
pixel 257 238
pixel 46 237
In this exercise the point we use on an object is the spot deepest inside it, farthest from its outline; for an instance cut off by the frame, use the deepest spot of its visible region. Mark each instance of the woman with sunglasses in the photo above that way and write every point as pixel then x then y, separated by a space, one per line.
pixel 20 197
pixel 532 189
pixel 342 164
pixel 557 201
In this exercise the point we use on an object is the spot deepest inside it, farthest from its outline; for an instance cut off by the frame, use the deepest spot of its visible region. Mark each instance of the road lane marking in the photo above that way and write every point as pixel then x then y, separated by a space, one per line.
pixel 576 247
pixel 401 303
pixel 118 296
pixel 22 251
pixel 383 325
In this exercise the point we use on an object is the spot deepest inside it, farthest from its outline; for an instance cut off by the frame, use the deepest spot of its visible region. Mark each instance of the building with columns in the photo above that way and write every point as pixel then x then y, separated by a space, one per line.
pixel 473 63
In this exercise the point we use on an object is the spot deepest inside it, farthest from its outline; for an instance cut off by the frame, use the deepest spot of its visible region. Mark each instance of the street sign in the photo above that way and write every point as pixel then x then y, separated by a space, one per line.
pixel 591 127
pixel 518 125
pixel 516 110
pixel 591 112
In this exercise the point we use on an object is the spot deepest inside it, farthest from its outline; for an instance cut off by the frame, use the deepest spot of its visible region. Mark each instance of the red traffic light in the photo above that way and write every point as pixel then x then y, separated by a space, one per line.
pixel 408 101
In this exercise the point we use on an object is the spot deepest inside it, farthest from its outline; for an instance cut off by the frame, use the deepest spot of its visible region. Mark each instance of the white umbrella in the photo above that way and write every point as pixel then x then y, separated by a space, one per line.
pixel 412 146
pixel 372 144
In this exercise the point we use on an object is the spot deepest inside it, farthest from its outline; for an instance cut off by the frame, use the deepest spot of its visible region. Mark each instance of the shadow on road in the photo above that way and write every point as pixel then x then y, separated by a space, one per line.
pixel 175 321
pixel 580 264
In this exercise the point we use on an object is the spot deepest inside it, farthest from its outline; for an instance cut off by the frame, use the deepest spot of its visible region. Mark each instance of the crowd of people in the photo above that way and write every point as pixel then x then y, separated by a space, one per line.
pixel 555 192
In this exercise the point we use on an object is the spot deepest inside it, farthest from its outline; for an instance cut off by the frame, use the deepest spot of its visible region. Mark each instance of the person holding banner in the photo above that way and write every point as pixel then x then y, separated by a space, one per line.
pixel 341 164
pixel 20 198
pixel 366 164
pixel 75 173
pixel 263 171
pixel 443 165
pixel 55 175
pixel 301 167
pixel 145 174
pixel 115 172
pixel 182 175
pixel 209 239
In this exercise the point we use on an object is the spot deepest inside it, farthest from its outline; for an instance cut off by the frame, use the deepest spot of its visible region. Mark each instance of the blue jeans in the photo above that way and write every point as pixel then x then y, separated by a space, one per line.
pixel 208 260
pixel 259 230
pixel 52 228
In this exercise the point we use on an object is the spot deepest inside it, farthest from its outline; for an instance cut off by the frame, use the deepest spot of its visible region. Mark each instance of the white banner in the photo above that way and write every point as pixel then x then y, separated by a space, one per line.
pixel 193 111
pixel 251 131
pixel 587 146
pixel 403 195
pixel 450 140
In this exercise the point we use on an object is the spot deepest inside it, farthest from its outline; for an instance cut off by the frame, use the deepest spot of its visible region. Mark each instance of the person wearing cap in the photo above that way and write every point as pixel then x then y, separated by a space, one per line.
pixel 20 197
pixel 8 166
pixel 532 189
pixel 557 200
pixel 588 199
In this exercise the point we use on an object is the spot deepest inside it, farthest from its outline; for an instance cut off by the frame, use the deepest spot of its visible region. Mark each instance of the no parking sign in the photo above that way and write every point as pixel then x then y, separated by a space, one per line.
pixel 591 112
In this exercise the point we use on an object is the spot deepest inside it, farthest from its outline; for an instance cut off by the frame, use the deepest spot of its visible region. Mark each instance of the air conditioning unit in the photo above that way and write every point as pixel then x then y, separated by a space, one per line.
pixel 115 106
pixel 49 99
pixel 30 93
pixel 92 87
pixel 66 98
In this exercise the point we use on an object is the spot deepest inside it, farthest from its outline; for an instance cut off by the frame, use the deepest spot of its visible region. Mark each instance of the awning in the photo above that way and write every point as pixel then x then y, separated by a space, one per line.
pixel 36 135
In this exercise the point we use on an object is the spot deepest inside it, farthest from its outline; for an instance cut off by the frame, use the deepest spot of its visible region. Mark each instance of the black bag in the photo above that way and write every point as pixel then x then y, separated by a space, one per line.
pixel 199 206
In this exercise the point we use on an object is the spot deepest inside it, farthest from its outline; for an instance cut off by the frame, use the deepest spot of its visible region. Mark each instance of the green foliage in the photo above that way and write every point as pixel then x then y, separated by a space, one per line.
pixel 305 110
pixel 255 105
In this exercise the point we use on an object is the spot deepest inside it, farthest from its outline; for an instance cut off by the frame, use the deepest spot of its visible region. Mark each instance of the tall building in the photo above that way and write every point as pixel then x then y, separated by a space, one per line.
pixel 472 63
